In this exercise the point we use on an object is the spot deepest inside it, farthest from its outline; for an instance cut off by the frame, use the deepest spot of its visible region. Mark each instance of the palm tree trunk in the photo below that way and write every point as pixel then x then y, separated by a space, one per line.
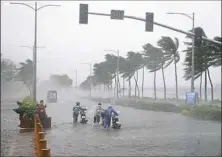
pixel 142 81
pixel 123 87
pixel 211 84
pixel 115 87
pixel 136 86
pixel 175 69
pixel 119 85
pixel 201 78
pixel 154 83
pixel 205 88
pixel 129 88
pixel 135 90
pixel 164 82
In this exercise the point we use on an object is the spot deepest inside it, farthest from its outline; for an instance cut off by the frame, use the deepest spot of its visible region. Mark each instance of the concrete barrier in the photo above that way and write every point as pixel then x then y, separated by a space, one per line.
pixel 40 143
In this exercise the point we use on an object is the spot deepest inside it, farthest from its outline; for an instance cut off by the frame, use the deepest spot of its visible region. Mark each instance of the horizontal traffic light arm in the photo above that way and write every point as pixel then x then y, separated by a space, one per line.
pixel 158 24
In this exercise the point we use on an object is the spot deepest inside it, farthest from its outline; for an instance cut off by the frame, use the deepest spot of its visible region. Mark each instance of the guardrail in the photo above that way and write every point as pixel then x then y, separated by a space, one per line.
pixel 40 143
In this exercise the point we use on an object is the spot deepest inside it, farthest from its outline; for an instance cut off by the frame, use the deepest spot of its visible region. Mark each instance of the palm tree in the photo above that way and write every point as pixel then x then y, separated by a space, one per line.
pixel 127 71
pixel 25 74
pixel 205 56
pixel 155 61
pixel 136 62
pixel 171 54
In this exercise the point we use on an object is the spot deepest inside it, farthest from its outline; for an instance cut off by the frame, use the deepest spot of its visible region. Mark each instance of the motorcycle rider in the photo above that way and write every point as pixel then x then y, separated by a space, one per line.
pixel 98 113
pixel 76 109
pixel 108 115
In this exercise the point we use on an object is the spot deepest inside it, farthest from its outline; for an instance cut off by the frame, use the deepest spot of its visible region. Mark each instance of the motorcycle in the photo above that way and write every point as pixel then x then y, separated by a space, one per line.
pixel 83 116
pixel 115 122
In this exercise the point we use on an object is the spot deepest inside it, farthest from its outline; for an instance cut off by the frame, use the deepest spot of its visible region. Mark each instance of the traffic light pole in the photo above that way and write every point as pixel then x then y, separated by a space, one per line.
pixel 159 24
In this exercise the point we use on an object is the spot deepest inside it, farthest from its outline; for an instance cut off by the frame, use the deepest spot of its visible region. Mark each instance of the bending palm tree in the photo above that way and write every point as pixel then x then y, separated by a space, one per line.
pixel 171 54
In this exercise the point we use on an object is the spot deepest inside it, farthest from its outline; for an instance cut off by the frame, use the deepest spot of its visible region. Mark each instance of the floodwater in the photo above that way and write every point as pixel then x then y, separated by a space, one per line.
pixel 143 133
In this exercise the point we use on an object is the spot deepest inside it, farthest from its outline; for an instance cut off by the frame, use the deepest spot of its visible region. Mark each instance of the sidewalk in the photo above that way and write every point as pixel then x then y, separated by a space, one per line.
pixel 22 145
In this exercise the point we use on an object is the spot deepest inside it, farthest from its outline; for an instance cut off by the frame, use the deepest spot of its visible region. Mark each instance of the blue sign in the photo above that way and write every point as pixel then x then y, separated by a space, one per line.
pixel 191 98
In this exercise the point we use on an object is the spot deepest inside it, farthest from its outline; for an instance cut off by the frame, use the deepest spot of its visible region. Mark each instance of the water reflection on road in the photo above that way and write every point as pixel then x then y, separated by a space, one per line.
pixel 143 133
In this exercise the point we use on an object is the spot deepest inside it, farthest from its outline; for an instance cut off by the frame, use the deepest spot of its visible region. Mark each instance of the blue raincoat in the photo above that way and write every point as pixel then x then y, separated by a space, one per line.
pixel 108 115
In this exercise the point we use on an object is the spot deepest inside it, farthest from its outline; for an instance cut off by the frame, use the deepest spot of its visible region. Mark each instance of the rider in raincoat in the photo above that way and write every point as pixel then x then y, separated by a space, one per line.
pixel 98 113
pixel 108 116
pixel 76 109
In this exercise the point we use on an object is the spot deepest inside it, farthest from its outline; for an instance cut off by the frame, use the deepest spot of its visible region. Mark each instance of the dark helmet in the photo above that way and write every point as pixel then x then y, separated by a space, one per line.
pixel 77 103
pixel 41 101
pixel 99 104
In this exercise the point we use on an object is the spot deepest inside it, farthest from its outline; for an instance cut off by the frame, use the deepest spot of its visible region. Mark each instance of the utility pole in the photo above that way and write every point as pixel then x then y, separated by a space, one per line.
pixel 36 9
pixel 192 89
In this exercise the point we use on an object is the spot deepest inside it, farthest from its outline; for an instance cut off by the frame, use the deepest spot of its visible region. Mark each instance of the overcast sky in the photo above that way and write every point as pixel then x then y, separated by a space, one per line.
pixel 68 44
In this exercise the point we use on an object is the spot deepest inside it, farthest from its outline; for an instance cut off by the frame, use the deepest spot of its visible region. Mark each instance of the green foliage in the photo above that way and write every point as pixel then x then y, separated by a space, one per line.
pixel 207 112
pixel 27 108
pixel 170 50
pixel 154 57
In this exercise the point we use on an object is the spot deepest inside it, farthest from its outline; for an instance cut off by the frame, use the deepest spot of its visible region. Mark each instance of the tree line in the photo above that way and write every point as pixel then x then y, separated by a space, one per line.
pixel 24 73
pixel 153 59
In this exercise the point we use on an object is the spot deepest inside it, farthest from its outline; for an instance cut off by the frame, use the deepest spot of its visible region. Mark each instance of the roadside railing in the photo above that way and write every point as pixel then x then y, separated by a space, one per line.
pixel 40 143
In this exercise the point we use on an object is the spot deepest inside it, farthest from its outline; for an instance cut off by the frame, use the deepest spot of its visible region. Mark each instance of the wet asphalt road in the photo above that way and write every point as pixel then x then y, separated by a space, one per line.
pixel 144 133
pixel 13 142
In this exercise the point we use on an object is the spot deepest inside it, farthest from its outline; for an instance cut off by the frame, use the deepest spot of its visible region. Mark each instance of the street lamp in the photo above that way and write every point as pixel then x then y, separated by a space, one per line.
pixel 117 72
pixel 193 20
pixel 90 74
pixel 35 42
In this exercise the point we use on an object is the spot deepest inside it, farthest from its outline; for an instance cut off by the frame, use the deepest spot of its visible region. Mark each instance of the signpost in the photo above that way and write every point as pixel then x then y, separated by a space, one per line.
pixel 117 14
pixel 191 98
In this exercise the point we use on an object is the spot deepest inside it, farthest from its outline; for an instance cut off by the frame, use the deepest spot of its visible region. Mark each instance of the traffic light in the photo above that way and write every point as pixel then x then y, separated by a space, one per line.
pixel 198 32
pixel 149 22
pixel 83 13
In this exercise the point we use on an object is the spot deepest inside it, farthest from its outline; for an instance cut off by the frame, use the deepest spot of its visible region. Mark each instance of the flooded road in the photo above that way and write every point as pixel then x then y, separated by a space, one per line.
pixel 144 133
pixel 14 143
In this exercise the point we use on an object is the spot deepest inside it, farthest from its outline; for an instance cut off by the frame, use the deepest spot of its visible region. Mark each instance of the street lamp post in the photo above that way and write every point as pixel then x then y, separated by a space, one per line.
pixel 117 72
pixel 192 55
pixel 35 42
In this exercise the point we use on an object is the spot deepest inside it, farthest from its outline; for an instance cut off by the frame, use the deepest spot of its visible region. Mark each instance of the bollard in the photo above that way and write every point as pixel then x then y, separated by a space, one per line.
pixel 46 152
pixel 40 142
pixel 43 145
pixel 38 129
pixel 41 136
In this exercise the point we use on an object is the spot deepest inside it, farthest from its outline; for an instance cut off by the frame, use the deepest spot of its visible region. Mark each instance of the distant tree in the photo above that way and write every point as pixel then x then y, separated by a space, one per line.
pixel 62 80
pixel 25 74
pixel 8 70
